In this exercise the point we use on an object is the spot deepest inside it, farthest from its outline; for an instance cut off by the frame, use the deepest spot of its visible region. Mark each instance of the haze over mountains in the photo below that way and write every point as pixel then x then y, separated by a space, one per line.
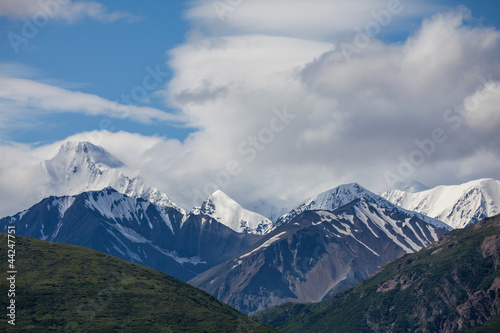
pixel 80 166
pixel 326 244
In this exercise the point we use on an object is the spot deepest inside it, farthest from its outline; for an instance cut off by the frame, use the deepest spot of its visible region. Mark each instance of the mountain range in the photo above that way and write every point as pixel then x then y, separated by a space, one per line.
pixel 328 243
pixel 133 229
pixel 319 252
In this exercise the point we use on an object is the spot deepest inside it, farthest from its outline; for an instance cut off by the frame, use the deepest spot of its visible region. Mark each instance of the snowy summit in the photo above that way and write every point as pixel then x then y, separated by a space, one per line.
pixel 228 212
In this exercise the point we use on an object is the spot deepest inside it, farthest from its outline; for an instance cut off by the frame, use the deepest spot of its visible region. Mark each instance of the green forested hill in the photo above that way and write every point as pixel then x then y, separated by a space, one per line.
pixel 64 288
pixel 451 286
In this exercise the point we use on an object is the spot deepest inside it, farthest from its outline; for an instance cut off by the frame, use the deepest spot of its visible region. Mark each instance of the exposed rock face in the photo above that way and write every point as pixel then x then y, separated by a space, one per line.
pixel 133 229
pixel 457 289
pixel 316 255
pixel 453 285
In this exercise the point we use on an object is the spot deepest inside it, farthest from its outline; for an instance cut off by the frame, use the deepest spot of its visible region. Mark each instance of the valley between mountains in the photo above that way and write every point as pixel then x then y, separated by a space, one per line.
pixel 312 253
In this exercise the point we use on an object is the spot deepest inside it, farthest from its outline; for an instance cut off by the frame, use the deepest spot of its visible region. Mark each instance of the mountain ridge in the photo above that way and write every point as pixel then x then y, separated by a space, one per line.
pixel 453 285
pixel 316 254
pixel 133 229
pixel 457 205
pixel 344 194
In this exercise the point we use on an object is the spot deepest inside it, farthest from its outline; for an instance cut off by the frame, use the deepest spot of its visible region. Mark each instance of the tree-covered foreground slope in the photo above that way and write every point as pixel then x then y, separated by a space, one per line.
pixel 65 288
pixel 451 286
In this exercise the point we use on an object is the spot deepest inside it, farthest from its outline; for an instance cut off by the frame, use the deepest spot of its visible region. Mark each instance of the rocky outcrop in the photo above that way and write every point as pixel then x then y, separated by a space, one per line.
pixel 451 286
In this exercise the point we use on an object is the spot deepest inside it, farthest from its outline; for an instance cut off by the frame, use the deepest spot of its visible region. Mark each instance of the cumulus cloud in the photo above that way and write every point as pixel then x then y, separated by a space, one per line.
pixel 18 173
pixel 66 10
pixel 356 119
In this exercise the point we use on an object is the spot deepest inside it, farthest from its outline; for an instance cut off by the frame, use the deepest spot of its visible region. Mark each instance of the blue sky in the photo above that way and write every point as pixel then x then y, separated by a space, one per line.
pixel 101 58
pixel 211 78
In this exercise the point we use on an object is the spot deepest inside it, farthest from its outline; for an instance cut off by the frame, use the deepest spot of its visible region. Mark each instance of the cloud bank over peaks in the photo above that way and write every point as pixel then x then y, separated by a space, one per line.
pixel 355 119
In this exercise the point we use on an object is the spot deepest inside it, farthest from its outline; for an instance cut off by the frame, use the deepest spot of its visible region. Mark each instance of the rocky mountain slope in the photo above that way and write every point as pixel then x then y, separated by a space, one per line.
pixel 133 229
pixel 317 254
pixel 452 285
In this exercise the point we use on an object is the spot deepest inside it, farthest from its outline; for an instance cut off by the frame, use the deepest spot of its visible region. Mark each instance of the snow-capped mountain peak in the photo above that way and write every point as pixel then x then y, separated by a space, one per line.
pixel 86 149
pixel 347 193
pixel 456 205
pixel 228 212
pixel 81 166
pixel 338 197
pixel 330 200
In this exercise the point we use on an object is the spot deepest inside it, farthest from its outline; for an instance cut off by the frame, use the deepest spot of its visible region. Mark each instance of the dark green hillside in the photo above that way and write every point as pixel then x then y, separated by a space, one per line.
pixel 451 286
pixel 64 288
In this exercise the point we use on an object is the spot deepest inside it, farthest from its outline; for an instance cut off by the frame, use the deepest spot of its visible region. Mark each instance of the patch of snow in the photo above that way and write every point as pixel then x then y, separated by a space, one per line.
pixel 237 264
pixel 456 205
pixel 228 212
pixel 165 218
pixel 21 214
pixel 265 244
pixel 44 237
pixel 130 234
pixel 375 253
pixel 63 204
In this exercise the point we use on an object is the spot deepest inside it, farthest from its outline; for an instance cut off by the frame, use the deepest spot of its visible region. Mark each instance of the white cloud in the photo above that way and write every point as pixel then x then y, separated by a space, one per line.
pixel 481 109
pixel 354 119
pixel 66 10
pixel 26 99
pixel 298 18
pixel 18 173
